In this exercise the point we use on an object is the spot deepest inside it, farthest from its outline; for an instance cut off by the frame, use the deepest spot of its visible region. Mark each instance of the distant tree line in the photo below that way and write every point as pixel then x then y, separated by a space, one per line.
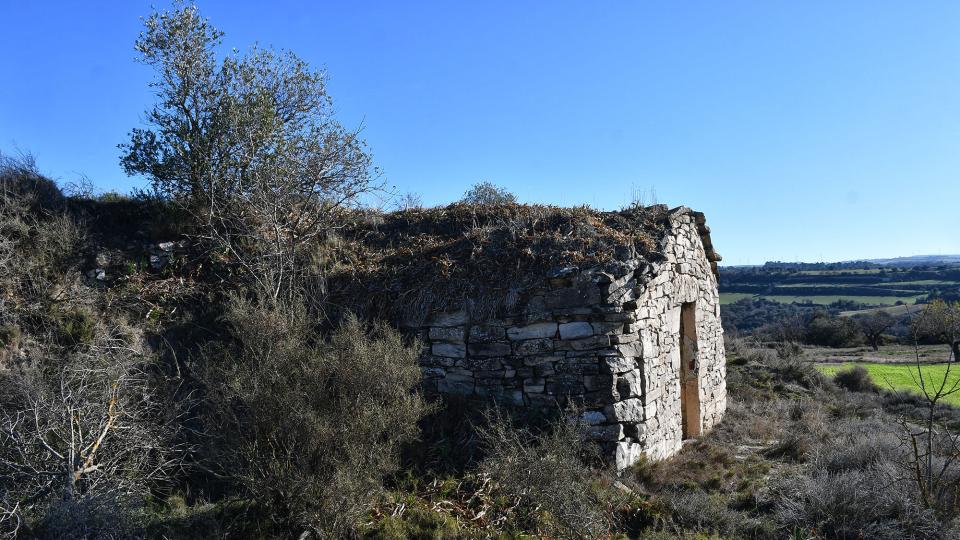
pixel 824 326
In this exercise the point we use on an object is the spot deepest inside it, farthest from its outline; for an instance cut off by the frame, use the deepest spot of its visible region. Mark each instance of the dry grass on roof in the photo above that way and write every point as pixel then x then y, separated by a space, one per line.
pixel 404 265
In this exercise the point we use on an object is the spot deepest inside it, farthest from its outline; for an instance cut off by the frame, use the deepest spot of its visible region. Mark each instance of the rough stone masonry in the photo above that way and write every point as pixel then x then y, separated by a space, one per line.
pixel 637 344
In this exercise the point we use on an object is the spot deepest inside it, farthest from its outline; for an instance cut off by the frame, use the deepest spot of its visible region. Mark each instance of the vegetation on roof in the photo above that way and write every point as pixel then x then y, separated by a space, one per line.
pixel 405 264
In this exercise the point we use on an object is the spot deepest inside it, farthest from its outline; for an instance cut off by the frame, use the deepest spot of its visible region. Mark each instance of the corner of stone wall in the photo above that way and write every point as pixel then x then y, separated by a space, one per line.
pixel 599 339
pixel 573 341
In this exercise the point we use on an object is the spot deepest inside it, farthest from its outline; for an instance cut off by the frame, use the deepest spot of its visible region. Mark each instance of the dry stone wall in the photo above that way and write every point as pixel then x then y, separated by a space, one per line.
pixel 605 338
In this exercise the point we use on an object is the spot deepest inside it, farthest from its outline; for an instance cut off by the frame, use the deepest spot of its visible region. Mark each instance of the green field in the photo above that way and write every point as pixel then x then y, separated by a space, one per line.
pixel 902 377
pixel 731 297
pixel 896 311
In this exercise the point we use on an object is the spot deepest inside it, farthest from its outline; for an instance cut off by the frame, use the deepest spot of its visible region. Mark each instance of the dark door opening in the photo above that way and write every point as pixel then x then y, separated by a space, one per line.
pixel 689 374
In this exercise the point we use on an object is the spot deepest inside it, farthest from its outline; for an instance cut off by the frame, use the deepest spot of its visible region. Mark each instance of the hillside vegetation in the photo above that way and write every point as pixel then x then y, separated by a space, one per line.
pixel 844 285
pixel 196 360
pixel 194 407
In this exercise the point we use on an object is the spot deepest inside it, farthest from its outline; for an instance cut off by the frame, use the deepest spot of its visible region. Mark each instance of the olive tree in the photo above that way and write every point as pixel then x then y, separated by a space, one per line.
pixel 488 193
pixel 248 145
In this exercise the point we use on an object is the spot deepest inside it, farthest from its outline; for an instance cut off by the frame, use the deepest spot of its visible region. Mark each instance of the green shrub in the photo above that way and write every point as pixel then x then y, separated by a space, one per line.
pixel 416 522
pixel 75 327
pixel 308 427
pixel 9 335
pixel 830 331
pixel 487 193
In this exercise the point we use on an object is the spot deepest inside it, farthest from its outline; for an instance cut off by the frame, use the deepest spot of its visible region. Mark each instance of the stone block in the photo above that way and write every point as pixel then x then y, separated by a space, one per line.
pixel 486 333
pixel 634 348
pixel 484 364
pixel 489 349
pixel 533 331
pixel 637 432
pixel 630 384
pixel 593 418
pixel 534 385
pixel 450 350
pixel 611 432
pixel 590 343
pixel 450 333
pixel 607 327
pixel 597 382
pixel 624 338
pixel 628 410
pixel 454 318
pixel 456 384
pixel 619 364
pixel 575 330
pixel 532 347
pixel 573 297
pixel 538 360
pixel 545 370
pixel 627 453
pixel 432 372
pixel 510 397
pixel 562 387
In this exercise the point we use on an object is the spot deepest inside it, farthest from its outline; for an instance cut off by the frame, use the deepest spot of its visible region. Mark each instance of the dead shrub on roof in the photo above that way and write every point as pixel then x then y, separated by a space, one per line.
pixel 403 265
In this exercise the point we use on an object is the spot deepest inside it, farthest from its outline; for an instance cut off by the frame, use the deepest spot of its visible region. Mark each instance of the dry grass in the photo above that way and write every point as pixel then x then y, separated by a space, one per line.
pixel 405 264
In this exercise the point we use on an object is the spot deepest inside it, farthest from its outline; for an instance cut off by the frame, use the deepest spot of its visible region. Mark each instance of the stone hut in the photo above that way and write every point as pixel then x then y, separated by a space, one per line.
pixel 616 312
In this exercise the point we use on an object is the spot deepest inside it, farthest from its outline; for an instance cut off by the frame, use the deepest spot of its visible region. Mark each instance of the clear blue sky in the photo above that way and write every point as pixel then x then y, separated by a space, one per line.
pixel 806 130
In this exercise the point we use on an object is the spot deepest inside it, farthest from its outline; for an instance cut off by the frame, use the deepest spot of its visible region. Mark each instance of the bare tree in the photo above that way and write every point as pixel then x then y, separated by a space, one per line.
pixel 248 145
pixel 95 426
pixel 410 201
pixel 934 449
pixel 873 325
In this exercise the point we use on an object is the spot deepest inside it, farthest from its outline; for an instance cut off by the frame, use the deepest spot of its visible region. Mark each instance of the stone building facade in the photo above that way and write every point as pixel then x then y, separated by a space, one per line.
pixel 637 344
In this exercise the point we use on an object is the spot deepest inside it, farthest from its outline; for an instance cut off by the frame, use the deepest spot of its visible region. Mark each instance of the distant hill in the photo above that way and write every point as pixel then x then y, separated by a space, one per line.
pixel 755 295
pixel 918 260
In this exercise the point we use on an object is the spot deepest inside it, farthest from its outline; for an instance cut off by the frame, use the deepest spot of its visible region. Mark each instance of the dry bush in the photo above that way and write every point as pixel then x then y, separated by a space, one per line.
pixel 94 424
pixel 696 514
pixel 103 516
pixel 20 180
pixel 40 250
pixel 307 428
pixel 855 379
pixel 547 474
pixel 404 265
pixel 855 504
